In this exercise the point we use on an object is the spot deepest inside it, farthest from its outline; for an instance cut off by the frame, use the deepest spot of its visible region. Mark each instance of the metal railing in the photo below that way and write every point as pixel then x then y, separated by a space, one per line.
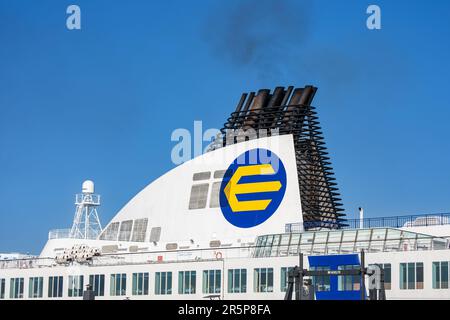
pixel 65 234
pixel 26 263
pixel 319 247
pixel 59 234
pixel 423 220
pixel 134 258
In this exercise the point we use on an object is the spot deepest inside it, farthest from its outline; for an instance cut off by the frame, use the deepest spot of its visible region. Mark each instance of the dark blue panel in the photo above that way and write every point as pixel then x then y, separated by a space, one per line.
pixel 333 261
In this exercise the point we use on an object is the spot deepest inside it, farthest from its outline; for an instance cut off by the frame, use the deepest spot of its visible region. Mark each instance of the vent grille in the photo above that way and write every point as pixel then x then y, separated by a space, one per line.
pixel 155 234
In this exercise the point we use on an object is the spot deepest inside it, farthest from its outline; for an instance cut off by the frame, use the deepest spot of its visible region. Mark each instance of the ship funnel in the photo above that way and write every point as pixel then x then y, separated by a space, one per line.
pixel 289 111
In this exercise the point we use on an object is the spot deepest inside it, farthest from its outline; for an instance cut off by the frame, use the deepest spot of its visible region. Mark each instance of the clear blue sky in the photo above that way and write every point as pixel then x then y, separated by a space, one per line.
pixel 101 103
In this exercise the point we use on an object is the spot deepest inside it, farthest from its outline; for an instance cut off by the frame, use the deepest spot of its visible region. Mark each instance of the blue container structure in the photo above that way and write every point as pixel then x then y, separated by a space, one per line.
pixel 334 263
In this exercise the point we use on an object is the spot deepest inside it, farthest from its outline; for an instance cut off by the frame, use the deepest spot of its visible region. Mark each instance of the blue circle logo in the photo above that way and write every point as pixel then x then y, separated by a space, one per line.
pixel 252 188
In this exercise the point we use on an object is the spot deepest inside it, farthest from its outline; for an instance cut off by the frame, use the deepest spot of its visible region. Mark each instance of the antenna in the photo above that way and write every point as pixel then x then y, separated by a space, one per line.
pixel 361 218
pixel 86 223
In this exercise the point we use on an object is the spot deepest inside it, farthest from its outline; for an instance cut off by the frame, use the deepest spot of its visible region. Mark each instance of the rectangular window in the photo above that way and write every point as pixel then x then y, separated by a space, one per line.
pixel 263 280
pixel 321 283
pixel 201 176
pixel 139 230
pixel 118 284
pixel 215 190
pixel 55 287
pixel 419 275
pixel 111 232
pixel 219 174
pixel 16 288
pixel 403 278
pixel 2 288
pixel 125 230
pixel 349 282
pixel 237 280
pixel 411 276
pixel 97 281
pixel 387 276
pixel 35 287
pixel 163 283
pixel 212 281
pixel 140 284
pixel 444 275
pixel 411 270
pixel 155 234
pixel 75 286
pixel 440 275
pixel 285 278
pixel 436 275
pixel 186 282
pixel 199 195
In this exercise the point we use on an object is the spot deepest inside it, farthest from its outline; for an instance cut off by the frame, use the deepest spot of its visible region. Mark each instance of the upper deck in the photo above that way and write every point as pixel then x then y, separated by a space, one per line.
pixel 319 242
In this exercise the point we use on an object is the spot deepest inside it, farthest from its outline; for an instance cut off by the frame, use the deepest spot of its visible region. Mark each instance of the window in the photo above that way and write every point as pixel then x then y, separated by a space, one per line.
pixel 263 280
pixel 237 280
pixel 97 281
pixel 163 283
pixel 387 275
pixel 140 284
pixel 125 230
pixel 118 285
pixel 440 275
pixel 55 287
pixel 215 190
pixel 411 275
pixel 403 276
pixel 2 288
pixel 155 234
pixel 139 230
pixel 199 194
pixel 349 282
pixel 110 232
pixel 201 176
pixel 186 282
pixel 419 277
pixel 285 278
pixel 16 288
pixel 321 283
pixel 76 286
pixel 219 174
pixel 35 286
pixel 212 281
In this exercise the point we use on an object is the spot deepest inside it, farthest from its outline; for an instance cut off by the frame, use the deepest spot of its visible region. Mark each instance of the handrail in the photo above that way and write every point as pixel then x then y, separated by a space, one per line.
pixel 421 220
pixel 66 234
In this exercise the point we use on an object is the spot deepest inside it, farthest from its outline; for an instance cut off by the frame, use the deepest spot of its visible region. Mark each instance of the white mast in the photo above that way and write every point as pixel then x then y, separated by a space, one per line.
pixel 361 218
pixel 86 224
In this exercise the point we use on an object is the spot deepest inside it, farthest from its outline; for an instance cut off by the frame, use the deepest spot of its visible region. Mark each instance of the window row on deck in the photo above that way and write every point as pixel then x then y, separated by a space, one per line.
pixel 411 277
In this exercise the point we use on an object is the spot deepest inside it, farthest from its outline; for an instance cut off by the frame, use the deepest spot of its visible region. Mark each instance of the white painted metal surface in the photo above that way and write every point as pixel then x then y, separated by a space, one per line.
pixel 182 238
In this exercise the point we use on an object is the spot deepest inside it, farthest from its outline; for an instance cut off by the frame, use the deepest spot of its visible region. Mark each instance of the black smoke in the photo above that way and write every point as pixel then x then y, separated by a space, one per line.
pixel 261 35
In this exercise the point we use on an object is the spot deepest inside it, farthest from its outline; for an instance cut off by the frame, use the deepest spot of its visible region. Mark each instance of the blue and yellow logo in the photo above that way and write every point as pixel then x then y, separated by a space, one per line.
pixel 253 188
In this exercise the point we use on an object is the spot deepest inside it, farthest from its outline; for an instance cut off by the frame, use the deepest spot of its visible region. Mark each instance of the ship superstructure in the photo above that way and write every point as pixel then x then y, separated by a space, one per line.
pixel 231 223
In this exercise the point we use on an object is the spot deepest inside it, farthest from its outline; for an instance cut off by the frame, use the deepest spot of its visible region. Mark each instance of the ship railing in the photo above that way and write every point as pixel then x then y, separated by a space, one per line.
pixel 129 258
pixel 275 245
pixel 66 234
pixel 185 255
pixel 421 220
pixel 26 263
pixel 59 234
